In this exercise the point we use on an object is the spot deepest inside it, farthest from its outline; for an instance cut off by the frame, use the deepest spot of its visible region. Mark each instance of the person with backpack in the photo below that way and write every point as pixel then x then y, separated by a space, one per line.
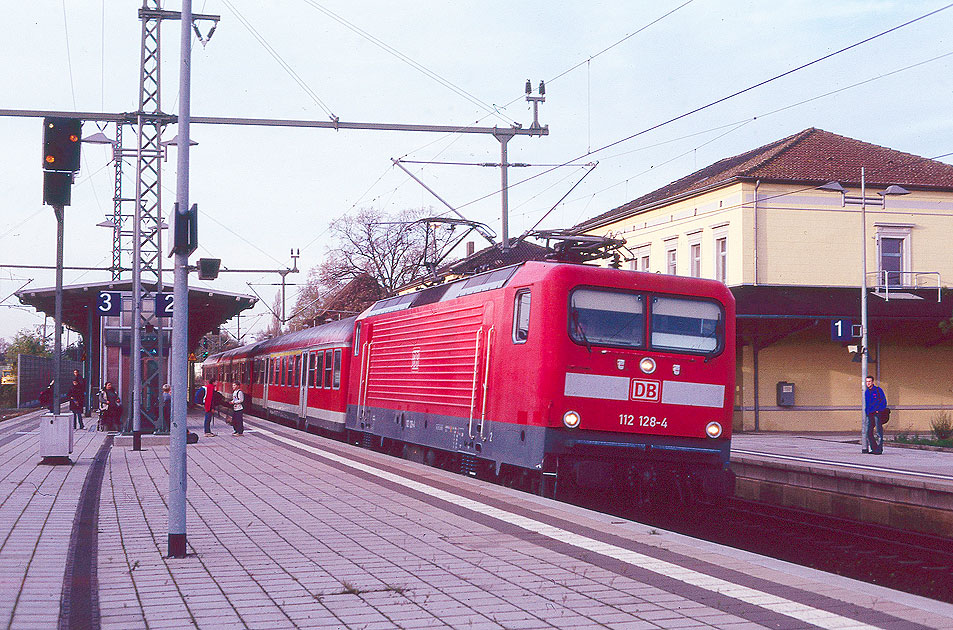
pixel 875 401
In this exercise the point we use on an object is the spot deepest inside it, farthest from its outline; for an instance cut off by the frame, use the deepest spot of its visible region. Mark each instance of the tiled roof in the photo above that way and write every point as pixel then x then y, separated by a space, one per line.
pixel 811 156
pixel 493 257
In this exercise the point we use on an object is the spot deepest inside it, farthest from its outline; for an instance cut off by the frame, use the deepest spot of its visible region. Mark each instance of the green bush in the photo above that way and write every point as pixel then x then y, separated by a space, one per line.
pixel 942 425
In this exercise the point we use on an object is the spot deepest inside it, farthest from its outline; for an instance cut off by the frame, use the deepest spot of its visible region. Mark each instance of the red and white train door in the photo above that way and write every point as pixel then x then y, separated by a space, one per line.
pixel 302 360
pixel 266 366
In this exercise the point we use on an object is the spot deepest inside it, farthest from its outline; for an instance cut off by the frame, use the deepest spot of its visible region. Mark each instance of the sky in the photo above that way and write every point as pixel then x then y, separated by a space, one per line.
pixel 613 69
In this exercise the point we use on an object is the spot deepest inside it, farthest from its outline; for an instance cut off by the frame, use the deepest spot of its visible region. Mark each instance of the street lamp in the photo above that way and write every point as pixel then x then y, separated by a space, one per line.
pixel 863 200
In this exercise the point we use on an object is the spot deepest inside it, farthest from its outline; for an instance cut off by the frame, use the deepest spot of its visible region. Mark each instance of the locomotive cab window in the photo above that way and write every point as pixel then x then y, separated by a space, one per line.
pixel 521 317
pixel 607 318
pixel 687 325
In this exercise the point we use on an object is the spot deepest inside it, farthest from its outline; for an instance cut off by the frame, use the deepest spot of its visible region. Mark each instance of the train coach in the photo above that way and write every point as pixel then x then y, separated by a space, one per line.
pixel 539 375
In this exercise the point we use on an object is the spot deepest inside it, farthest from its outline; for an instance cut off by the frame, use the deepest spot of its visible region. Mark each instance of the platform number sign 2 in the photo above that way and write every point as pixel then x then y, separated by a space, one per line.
pixel 164 303
pixel 842 330
pixel 109 303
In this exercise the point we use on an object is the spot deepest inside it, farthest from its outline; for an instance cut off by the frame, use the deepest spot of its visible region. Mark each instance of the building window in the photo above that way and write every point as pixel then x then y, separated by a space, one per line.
pixel 721 259
pixel 893 256
pixel 891 262
pixel 671 261
pixel 696 259
pixel 640 258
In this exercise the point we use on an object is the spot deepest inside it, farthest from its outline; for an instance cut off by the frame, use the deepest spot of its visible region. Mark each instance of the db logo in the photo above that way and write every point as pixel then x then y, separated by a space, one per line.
pixel 646 390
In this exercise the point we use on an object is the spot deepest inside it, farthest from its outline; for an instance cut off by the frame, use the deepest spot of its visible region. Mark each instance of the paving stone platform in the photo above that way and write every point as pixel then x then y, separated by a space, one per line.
pixel 289 530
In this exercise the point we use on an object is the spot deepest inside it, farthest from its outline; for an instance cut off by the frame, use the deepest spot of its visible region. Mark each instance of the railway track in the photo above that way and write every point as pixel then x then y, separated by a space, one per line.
pixel 899 559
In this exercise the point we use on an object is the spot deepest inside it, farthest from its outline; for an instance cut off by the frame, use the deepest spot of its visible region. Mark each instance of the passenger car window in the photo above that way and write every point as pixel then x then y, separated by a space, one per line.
pixel 521 317
pixel 337 369
pixel 607 318
pixel 327 368
pixel 687 324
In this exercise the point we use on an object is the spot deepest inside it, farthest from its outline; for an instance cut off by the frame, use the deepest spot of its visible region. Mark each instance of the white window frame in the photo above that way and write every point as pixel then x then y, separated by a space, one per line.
pixel 671 256
pixel 695 254
pixel 641 258
pixel 901 232
pixel 721 257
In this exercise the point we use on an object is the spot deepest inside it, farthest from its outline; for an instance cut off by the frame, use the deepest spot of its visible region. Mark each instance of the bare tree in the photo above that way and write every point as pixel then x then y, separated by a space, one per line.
pixel 390 249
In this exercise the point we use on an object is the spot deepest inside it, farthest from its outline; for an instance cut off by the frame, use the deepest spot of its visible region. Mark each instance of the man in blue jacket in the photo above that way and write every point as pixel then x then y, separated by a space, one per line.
pixel 875 401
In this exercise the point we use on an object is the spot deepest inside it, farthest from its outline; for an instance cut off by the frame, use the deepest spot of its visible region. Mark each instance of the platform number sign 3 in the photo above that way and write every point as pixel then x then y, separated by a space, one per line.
pixel 109 303
pixel 164 303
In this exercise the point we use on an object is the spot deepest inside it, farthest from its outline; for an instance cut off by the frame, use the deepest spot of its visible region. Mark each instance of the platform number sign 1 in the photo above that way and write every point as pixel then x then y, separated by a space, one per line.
pixel 109 303
pixel 164 303
pixel 842 329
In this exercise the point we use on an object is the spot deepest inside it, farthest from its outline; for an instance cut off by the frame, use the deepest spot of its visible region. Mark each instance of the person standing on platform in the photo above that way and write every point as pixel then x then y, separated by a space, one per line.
pixel 238 405
pixel 165 421
pixel 77 377
pixel 77 398
pixel 209 402
pixel 875 401
pixel 110 407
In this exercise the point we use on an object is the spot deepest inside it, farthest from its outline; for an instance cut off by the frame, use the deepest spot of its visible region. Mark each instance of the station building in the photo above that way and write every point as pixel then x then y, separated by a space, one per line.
pixel 791 252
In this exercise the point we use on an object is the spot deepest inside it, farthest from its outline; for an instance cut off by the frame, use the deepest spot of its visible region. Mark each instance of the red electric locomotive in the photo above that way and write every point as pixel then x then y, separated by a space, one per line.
pixel 551 373
pixel 537 374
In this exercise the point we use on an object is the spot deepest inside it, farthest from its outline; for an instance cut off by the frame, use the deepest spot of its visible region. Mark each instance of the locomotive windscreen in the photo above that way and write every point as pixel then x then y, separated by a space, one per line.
pixel 607 318
pixel 685 324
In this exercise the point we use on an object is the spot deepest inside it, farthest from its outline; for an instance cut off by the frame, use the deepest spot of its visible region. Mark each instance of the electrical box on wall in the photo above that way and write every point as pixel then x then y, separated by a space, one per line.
pixel 785 394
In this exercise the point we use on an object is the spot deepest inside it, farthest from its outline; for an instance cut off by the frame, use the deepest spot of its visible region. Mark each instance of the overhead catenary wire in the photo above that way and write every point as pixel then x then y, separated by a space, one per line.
pixel 720 100
pixel 277 57
pixel 493 111
pixel 737 124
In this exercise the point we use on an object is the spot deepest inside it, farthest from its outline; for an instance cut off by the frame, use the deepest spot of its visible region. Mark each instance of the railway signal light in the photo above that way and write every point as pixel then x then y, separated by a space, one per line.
pixel 56 188
pixel 61 143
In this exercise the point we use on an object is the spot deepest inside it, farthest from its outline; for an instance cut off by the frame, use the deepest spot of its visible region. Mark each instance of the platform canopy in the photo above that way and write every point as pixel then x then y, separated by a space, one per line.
pixel 768 313
pixel 208 308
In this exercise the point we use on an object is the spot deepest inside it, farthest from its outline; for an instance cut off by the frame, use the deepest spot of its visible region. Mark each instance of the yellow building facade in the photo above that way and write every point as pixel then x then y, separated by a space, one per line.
pixel 792 254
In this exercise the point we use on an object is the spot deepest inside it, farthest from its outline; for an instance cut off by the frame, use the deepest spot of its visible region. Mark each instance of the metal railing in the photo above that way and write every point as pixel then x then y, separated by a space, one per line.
pixel 887 281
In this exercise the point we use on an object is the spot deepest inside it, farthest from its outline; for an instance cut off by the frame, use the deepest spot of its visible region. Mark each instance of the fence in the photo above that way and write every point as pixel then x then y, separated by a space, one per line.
pixel 34 374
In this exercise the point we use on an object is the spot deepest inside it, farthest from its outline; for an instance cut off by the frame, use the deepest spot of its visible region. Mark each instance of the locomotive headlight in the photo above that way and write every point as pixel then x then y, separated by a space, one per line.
pixel 571 419
pixel 713 429
pixel 647 365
